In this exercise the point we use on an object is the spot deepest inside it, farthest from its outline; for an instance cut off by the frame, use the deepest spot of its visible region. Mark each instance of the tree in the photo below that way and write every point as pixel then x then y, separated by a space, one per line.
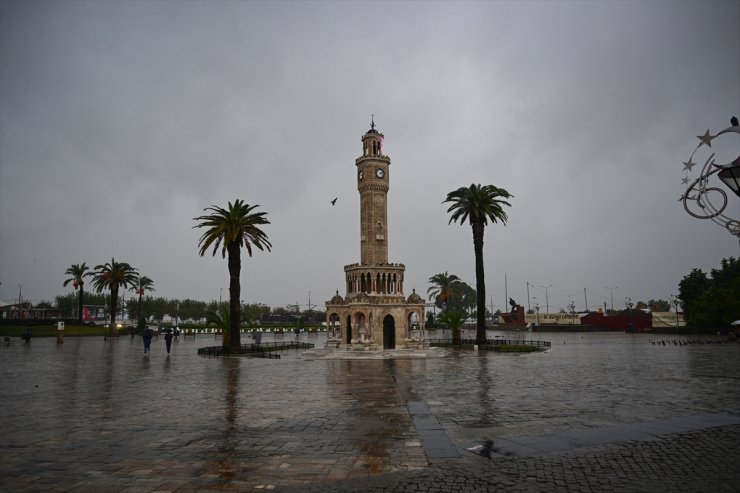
pixel 659 306
pixel 468 297
pixel 78 273
pixel 454 320
pixel 712 302
pixel 222 320
pixel 478 204
pixel 442 288
pixel 113 275
pixel 143 284
pixel 232 228
pixel 690 289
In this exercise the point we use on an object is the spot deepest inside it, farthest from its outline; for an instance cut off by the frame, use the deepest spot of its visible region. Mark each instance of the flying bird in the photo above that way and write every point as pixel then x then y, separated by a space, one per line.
pixel 334 201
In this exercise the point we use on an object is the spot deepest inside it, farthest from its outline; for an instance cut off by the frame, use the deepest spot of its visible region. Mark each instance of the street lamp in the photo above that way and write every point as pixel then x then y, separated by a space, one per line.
pixel 731 176
pixel 707 201
pixel 676 302
pixel 611 294
pixel 547 300
pixel 573 313
pixel 628 303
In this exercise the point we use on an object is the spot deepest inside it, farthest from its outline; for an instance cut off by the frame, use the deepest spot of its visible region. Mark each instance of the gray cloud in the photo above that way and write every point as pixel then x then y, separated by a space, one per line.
pixel 120 122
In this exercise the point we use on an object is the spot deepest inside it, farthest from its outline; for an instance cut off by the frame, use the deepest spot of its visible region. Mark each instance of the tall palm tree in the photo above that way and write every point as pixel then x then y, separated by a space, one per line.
pixel 78 273
pixel 442 287
pixel 113 275
pixel 142 284
pixel 232 228
pixel 477 204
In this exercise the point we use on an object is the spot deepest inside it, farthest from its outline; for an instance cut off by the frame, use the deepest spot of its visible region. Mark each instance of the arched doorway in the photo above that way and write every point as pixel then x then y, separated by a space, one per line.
pixel 389 333
pixel 349 329
pixel 359 324
pixel 412 323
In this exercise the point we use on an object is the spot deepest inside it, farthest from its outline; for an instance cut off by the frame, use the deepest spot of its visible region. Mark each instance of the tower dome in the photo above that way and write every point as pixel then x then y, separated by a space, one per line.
pixel 337 299
pixel 414 299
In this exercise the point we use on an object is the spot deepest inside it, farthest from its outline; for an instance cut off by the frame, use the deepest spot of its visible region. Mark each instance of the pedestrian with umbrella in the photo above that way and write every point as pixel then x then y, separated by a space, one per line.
pixel 168 335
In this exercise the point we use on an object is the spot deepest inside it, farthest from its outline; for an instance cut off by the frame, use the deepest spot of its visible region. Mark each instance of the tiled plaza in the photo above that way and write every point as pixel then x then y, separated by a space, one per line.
pixel 598 412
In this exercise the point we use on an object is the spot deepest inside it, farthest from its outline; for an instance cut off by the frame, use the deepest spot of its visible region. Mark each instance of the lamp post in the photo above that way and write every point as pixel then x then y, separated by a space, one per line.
pixel 704 201
pixel 547 299
pixel 676 302
pixel 611 295
pixel 573 313
pixel 628 303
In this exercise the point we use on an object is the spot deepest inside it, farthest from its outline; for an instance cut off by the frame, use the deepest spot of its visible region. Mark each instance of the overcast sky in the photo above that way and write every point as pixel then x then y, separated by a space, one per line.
pixel 121 121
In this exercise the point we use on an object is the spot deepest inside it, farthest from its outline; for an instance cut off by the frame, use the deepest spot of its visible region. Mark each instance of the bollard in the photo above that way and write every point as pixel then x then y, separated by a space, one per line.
pixel 60 332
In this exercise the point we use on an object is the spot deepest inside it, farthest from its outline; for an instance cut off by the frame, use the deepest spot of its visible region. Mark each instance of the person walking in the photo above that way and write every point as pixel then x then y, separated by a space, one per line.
pixel 168 339
pixel 147 336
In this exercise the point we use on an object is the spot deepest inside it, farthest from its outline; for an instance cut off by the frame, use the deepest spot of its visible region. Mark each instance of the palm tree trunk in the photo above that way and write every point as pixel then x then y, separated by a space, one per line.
pixel 456 339
pixel 138 309
pixel 480 284
pixel 235 343
pixel 112 332
pixel 79 307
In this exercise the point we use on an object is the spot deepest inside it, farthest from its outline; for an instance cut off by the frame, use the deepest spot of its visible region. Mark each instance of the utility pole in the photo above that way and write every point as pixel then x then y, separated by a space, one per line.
pixel 528 308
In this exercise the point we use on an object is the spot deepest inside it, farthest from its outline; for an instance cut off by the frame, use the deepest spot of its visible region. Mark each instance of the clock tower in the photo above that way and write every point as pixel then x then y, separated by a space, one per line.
pixel 372 183
pixel 374 313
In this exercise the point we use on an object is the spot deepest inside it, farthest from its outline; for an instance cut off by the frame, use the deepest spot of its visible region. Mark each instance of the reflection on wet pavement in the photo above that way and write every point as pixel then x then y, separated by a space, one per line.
pixel 96 415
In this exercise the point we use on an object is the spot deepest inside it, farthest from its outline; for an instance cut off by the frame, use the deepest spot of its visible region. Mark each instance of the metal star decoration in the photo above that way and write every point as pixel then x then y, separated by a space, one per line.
pixel 705 139
pixel 703 199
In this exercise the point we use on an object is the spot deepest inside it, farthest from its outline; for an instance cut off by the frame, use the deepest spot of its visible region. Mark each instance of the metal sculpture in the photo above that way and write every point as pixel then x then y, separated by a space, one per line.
pixel 702 199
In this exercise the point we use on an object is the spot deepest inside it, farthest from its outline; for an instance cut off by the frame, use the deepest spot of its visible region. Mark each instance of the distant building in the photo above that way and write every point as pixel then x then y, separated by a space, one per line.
pixel 25 311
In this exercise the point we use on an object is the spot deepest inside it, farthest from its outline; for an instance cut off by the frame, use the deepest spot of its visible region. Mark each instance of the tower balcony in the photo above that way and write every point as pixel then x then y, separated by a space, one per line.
pixel 384 279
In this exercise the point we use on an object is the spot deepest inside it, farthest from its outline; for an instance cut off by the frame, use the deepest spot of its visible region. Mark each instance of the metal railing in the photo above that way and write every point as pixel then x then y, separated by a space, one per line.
pixel 262 350
pixel 491 342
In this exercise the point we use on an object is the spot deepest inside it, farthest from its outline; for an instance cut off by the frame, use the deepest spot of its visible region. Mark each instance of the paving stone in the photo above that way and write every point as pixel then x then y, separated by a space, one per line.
pixel 577 418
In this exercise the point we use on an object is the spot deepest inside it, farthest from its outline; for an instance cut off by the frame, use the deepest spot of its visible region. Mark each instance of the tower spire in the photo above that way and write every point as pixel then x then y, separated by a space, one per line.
pixel 372 121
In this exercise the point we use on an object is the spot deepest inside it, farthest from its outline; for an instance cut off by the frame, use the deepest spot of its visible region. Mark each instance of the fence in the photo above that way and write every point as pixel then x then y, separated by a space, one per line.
pixel 491 343
pixel 264 350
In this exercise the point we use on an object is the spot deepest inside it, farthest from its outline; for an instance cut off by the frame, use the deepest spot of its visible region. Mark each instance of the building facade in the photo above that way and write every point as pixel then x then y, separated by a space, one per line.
pixel 374 310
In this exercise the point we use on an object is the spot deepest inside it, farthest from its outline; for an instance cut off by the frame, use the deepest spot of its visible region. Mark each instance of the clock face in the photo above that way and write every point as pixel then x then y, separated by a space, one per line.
pixel 359 175
pixel 379 173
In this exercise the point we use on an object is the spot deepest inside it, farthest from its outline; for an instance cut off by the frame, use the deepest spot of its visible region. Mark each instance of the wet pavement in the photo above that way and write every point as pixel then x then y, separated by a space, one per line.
pixel 598 412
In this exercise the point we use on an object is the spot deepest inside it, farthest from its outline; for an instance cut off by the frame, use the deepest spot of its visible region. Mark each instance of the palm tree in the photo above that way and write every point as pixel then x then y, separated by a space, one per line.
pixel 221 319
pixel 143 284
pixel 78 273
pixel 232 228
pixel 478 204
pixel 442 287
pixel 454 320
pixel 113 275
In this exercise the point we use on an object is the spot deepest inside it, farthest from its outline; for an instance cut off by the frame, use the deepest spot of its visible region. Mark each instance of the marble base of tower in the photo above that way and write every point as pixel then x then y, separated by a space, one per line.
pixel 375 321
